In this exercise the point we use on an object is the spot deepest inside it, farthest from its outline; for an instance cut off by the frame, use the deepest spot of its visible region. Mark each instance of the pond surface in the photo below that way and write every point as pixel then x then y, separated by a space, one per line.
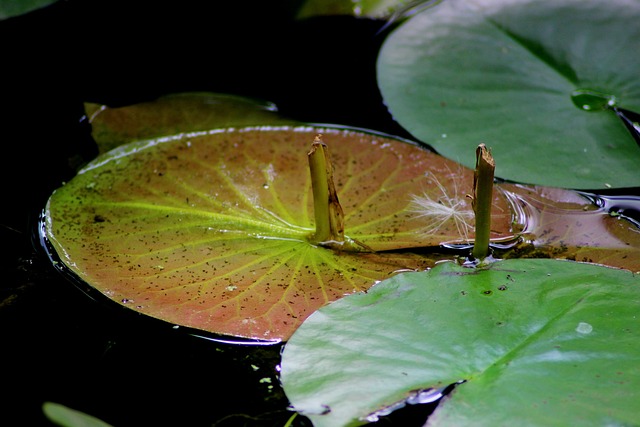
pixel 60 345
pixel 57 344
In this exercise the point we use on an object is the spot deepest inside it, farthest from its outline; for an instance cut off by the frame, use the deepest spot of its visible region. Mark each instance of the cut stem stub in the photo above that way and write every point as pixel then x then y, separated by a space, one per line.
pixel 327 210
pixel 481 200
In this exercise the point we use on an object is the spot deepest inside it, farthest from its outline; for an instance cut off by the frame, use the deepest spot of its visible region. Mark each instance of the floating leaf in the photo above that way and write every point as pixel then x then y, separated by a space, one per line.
pixel 211 229
pixel 375 9
pixel 539 82
pixel 552 222
pixel 543 342
pixel 13 8
pixel 64 416
pixel 176 113
pixel 558 223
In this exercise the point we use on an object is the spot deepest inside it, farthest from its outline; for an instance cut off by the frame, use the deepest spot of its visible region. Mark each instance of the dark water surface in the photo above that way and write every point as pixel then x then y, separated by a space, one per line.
pixel 56 343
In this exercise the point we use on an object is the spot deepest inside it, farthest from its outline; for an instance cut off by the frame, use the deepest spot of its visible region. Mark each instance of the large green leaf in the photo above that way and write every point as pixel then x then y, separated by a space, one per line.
pixel 537 342
pixel 537 81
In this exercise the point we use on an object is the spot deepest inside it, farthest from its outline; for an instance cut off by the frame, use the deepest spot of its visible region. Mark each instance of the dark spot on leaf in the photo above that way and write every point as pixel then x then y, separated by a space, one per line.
pixel 459 273
pixel 487 292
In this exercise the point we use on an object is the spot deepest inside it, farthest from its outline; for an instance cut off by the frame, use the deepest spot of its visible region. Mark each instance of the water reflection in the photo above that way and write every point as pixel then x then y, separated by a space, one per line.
pixel 627 207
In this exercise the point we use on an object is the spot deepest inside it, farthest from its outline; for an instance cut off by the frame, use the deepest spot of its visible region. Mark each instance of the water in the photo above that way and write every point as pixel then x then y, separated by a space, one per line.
pixel 625 206
pixel 57 344
pixel 591 100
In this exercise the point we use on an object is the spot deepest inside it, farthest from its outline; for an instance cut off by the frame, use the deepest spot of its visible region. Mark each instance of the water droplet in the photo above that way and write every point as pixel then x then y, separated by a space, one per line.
pixel 584 328
pixel 591 100
pixel 425 396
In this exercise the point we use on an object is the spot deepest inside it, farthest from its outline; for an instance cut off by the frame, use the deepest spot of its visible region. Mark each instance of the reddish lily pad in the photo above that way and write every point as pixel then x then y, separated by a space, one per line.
pixel 564 224
pixel 176 113
pixel 211 230
pixel 554 222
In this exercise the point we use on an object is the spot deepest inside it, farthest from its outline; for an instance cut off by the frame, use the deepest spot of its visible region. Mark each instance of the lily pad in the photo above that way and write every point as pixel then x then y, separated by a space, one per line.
pixel 543 342
pixel 375 9
pixel 64 416
pixel 539 82
pixel 176 113
pixel 13 8
pixel 550 222
pixel 564 224
pixel 210 230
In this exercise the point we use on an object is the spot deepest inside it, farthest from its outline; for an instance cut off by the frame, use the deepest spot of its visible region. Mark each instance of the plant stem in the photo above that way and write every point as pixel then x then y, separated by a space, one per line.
pixel 482 200
pixel 328 212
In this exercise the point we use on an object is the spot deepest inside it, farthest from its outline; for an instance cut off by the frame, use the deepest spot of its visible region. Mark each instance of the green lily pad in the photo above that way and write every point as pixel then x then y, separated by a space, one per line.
pixel 535 342
pixel 64 416
pixel 376 9
pixel 536 81
pixel 12 8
